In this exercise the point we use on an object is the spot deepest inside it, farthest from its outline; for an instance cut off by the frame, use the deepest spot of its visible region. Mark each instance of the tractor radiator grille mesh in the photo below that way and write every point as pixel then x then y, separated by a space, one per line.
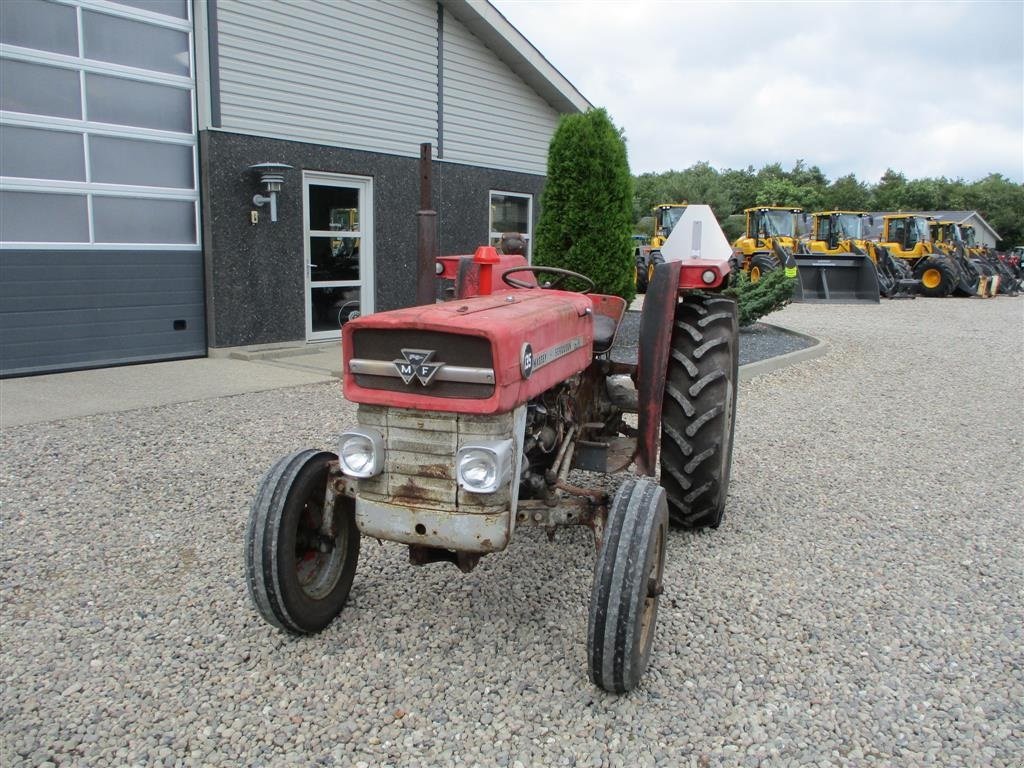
pixel 419 466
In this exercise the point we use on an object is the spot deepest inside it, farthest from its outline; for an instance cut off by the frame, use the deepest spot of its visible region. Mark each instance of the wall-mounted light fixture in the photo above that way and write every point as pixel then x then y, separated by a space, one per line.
pixel 271 174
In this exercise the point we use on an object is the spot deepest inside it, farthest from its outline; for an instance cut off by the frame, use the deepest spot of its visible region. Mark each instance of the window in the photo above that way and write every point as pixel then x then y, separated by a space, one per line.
pixel 98 139
pixel 512 212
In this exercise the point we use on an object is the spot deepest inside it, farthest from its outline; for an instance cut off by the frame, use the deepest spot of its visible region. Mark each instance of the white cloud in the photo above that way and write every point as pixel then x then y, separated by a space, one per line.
pixel 932 89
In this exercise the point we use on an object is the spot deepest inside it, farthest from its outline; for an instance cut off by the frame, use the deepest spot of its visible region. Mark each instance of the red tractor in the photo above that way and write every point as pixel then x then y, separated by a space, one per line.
pixel 471 415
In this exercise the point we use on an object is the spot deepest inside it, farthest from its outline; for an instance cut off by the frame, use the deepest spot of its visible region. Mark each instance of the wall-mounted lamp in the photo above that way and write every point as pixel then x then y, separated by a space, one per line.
pixel 271 174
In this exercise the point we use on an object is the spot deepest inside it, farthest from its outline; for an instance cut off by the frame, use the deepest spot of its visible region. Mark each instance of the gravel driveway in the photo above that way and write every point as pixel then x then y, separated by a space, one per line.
pixel 860 605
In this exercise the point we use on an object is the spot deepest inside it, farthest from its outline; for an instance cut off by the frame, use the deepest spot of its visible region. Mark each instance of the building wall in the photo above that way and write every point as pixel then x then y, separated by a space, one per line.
pixel 981 231
pixel 355 73
pixel 490 116
pixel 364 74
pixel 255 273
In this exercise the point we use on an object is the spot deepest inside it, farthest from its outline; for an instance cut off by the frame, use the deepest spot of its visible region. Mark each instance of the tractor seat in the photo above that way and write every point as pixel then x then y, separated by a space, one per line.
pixel 608 312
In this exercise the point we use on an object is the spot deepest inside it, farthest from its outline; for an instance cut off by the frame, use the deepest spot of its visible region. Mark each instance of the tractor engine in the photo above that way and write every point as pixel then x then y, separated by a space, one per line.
pixel 578 411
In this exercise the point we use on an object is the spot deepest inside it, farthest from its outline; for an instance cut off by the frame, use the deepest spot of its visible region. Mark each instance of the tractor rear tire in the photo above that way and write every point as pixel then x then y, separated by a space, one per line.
pixel 937 276
pixel 298 580
pixel 699 410
pixel 627 586
pixel 761 264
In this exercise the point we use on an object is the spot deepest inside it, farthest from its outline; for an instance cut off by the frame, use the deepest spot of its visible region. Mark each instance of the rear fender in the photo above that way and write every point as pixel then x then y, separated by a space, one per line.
pixel 656 323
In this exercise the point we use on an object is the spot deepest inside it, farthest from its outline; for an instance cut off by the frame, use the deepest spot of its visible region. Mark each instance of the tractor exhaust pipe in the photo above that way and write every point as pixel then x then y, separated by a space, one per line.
pixel 426 232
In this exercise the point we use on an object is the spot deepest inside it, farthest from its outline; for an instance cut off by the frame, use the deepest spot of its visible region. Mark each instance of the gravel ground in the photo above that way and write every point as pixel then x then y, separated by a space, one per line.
pixel 860 605
pixel 758 341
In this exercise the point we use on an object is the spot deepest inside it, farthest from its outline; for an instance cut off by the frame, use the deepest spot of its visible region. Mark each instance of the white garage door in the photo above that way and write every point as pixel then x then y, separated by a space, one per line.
pixel 99 218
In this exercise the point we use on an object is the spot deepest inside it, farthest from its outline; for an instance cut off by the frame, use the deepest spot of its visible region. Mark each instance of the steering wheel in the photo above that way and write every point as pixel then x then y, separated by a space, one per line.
pixel 564 275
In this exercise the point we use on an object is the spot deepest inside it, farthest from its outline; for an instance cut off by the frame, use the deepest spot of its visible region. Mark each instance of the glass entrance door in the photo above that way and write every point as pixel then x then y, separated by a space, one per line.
pixel 338 251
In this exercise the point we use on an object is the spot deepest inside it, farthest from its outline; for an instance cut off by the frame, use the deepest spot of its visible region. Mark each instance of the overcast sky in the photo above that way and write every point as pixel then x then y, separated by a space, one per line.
pixel 929 88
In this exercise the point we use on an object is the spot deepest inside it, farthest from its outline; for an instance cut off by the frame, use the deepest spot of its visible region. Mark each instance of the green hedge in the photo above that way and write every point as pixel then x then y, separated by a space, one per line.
pixel 586 214
pixel 755 300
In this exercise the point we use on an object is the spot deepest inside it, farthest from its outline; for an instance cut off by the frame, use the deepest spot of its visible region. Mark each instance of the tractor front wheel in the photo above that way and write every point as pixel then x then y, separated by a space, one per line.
pixel 699 410
pixel 627 586
pixel 298 577
pixel 937 276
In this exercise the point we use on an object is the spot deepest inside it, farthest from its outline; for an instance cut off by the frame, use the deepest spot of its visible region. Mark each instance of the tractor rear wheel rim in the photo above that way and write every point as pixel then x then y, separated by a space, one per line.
pixel 755 274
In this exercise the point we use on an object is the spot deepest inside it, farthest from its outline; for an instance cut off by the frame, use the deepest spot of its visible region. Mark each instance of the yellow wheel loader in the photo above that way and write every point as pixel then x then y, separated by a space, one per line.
pixel 948 239
pixel 835 264
pixel 770 231
pixel 990 264
pixel 666 216
pixel 906 236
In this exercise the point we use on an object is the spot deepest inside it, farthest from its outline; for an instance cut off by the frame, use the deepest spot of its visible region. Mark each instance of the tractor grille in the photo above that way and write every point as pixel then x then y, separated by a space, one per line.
pixel 467 370
pixel 419 466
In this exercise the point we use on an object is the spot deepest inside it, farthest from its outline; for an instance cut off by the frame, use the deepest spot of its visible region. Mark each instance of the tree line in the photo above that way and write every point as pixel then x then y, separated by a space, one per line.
pixel 999 200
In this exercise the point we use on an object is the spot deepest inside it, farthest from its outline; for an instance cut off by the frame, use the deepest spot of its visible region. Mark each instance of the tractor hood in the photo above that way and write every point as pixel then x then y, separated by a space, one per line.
pixel 486 354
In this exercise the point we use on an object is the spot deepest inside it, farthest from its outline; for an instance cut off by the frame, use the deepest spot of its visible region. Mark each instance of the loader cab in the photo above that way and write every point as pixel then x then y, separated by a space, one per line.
pixel 771 222
pixel 666 216
pixel 946 232
pixel 832 230
pixel 908 234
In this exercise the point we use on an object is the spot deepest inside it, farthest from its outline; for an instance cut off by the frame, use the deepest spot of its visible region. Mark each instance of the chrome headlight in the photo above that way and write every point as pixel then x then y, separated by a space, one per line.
pixel 484 467
pixel 361 452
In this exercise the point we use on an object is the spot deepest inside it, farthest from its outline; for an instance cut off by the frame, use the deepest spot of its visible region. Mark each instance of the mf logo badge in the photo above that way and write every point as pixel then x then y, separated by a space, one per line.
pixel 526 361
pixel 417 365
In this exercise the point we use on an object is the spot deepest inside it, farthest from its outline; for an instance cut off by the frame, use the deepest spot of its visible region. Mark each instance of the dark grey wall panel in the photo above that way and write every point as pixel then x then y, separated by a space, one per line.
pixel 61 310
pixel 255 273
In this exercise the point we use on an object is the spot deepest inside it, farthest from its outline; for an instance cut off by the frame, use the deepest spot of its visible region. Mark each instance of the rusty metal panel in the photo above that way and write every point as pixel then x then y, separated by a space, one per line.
pixel 432 527
pixel 416 441
pixel 372 416
pixel 416 464
pixel 418 491
pixel 422 421
pixel 489 426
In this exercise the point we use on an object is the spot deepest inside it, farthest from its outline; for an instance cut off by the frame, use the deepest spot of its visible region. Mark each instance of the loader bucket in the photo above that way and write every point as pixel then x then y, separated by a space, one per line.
pixel 847 278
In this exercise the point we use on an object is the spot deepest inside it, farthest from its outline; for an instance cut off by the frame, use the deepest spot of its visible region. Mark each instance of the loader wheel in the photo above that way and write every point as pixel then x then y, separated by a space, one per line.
pixel 937 277
pixel 969 279
pixel 299 579
pixel 627 586
pixel 761 264
pixel 887 282
pixel 699 410
pixel 640 278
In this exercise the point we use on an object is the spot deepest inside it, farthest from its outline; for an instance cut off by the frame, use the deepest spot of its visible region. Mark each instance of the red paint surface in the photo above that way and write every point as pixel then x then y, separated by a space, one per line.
pixel 542 318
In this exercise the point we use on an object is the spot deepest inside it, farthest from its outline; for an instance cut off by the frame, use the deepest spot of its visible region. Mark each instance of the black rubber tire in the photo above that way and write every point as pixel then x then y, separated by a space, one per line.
pixel 888 282
pixel 969 279
pixel 947 276
pixel 627 586
pixel 640 277
pixel 761 264
pixel 291 495
pixel 698 412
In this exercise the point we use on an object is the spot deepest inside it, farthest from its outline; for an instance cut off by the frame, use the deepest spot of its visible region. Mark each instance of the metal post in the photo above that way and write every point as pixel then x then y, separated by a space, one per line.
pixel 426 232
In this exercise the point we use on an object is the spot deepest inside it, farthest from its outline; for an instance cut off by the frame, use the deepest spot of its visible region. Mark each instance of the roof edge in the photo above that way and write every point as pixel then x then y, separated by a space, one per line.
pixel 519 54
